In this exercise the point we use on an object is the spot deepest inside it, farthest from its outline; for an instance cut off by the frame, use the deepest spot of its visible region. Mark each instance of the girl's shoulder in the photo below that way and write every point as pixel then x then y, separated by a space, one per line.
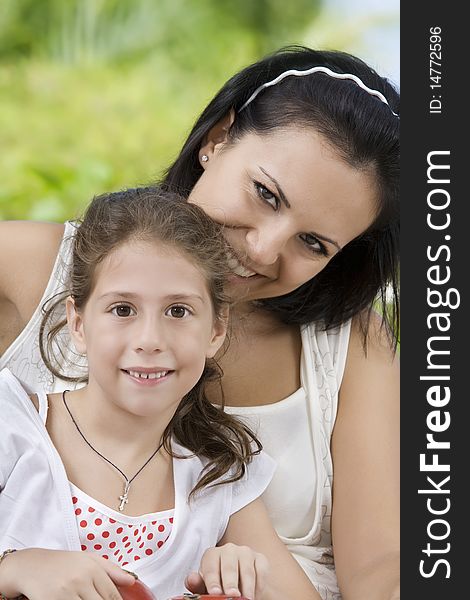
pixel 258 474
pixel 14 397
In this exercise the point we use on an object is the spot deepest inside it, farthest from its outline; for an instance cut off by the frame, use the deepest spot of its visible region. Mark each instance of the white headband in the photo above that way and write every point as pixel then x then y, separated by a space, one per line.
pixel 325 70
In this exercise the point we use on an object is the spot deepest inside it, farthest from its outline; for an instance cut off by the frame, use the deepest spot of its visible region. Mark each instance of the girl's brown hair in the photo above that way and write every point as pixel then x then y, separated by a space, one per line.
pixel 150 214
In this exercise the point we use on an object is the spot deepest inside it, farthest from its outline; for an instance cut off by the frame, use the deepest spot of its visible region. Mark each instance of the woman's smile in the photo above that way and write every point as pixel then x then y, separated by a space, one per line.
pixel 237 267
pixel 286 218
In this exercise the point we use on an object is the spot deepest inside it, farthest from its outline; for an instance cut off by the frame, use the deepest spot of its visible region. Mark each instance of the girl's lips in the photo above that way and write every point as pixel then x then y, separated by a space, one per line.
pixel 147 377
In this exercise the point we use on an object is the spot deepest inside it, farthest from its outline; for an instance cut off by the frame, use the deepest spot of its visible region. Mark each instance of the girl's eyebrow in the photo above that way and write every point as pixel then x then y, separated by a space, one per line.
pixel 287 204
pixel 169 298
pixel 183 297
pixel 278 187
pixel 119 294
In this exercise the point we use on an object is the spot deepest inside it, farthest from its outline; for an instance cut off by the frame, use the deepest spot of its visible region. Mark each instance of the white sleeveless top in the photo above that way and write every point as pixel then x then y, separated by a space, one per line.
pixel 296 431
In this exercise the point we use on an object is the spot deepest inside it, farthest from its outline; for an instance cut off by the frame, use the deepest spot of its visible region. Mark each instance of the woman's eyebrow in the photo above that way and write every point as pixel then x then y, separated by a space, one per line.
pixel 278 187
pixel 286 202
pixel 325 239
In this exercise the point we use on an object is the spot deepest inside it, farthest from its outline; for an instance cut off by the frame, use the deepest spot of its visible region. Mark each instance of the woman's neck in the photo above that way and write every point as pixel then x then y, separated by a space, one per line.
pixel 261 362
pixel 250 319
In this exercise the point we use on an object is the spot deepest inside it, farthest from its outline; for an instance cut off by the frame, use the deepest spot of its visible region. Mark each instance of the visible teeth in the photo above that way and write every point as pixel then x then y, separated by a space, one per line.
pixel 243 272
pixel 238 268
pixel 140 375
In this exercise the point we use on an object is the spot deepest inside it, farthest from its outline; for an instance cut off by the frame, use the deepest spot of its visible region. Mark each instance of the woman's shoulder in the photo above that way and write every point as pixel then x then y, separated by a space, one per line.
pixel 27 254
pixel 329 347
pixel 373 344
pixel 372 365
pixel 25 234
pixel 333 336
pixel 358 338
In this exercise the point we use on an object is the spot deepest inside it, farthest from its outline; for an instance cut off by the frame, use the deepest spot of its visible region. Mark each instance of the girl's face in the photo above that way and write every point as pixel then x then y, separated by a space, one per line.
pixel 288 203
pixel 147 328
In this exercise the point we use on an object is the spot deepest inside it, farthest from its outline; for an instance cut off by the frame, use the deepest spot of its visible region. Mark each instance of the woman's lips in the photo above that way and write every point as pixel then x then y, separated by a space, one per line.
pixel 238 268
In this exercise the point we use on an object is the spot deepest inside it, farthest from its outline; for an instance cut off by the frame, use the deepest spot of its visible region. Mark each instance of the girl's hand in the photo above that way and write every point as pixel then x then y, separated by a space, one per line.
pixel 61 575
pixel 232 570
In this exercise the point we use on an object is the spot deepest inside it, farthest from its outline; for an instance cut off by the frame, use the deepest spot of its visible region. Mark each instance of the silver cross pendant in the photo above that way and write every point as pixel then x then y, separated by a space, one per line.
pixel 123 498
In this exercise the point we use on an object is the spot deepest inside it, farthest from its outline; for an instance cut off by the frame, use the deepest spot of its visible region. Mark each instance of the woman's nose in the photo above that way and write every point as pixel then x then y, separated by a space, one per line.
pixel 265 245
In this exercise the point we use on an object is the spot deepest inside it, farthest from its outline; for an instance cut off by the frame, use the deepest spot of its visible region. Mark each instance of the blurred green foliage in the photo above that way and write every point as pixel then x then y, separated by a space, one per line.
pixel 97 95
pixel 110 30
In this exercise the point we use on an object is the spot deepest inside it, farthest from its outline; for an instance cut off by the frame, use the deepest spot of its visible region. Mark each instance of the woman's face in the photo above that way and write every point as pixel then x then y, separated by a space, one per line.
pixel 288 204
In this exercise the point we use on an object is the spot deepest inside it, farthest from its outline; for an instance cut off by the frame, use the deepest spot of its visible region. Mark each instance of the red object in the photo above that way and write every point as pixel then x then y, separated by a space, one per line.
pixel 207 597
pixel 136 591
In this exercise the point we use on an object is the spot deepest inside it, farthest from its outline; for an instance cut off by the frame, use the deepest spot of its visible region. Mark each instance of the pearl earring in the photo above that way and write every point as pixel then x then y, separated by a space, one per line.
pixel 204 158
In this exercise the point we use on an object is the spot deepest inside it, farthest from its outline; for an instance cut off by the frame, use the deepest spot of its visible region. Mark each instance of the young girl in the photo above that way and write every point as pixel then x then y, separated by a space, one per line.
pixel 136 468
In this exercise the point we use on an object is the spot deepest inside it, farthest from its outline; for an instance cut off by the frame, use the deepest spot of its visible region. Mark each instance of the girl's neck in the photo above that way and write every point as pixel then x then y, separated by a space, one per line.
pixel 109 426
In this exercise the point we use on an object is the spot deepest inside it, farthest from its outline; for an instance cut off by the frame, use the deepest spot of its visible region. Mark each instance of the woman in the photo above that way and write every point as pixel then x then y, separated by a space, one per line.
pixel 302 170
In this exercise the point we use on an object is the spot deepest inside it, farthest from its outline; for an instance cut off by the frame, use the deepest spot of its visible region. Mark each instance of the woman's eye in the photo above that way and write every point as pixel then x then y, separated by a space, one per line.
pixel 122 310
pixel 313 243
pixel 178 312
pixel 267 196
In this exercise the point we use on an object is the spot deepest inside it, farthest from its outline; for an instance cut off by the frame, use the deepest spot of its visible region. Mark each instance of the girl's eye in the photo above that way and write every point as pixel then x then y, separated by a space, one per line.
pixel 122 310
pixel 178 311
pixel 267 196
pixel 313 244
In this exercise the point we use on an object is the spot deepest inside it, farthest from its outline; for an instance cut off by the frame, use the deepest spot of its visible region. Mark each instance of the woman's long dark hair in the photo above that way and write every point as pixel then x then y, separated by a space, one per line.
pixel 365 134
pixel 151 215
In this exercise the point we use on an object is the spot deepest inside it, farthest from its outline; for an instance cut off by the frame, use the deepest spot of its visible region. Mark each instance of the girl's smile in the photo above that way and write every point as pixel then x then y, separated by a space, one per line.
pixel 148 377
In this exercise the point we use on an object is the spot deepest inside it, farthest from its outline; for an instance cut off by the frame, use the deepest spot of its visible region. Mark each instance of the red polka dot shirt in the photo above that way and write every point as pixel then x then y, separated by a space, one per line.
pixel 118 537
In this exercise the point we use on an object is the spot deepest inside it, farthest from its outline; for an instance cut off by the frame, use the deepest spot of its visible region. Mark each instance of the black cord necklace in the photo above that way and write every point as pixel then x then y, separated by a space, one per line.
pixel 124 498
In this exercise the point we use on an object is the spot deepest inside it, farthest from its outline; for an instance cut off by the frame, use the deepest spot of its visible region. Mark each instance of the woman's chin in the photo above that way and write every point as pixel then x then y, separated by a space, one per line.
pixel 244 289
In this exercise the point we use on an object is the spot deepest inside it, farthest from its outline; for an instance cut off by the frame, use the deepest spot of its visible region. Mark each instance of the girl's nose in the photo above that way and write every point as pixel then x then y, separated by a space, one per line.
pixel 149 336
